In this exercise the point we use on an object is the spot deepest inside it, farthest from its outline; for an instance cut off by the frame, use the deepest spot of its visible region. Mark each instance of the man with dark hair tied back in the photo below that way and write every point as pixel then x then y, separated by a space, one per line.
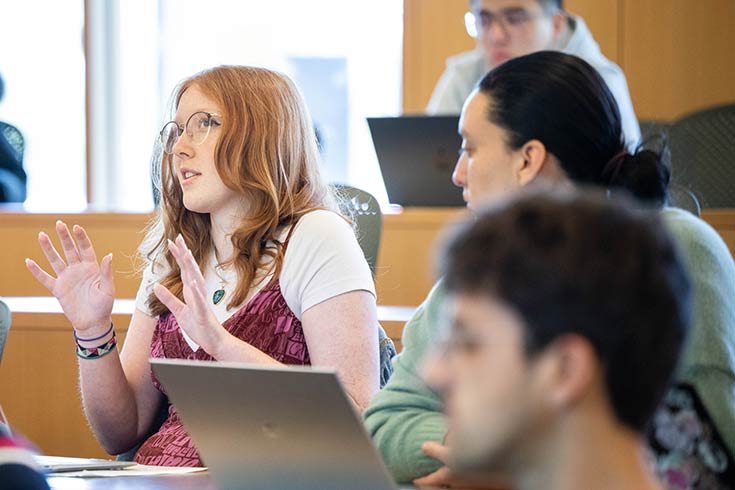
pixel 586 342
pixel 506 29
pixel 549 119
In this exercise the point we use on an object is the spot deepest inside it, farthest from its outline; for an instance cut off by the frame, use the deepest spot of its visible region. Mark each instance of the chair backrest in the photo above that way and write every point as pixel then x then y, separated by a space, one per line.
pixel 4 326
pixel 15 138
pixel 651 129
pixel 363 209
pixel 681 197
pixel 703 155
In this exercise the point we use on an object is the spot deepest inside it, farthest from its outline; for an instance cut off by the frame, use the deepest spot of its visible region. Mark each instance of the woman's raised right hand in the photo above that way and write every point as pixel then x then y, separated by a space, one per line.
pixel 83 286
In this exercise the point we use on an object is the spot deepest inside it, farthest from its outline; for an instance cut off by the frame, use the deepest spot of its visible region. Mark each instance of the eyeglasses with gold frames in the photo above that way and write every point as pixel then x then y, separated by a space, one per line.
pixel 197 128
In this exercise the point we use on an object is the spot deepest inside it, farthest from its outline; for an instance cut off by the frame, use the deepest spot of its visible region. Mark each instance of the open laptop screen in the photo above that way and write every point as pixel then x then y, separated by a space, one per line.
pixel 417 155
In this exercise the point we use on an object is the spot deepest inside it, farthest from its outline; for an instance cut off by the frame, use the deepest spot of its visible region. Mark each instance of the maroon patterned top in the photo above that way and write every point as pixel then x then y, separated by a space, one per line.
pixel 266 323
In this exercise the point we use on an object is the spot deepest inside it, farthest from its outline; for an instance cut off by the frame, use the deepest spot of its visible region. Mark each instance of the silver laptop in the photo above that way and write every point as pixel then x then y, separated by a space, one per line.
pixel 273 428
pixel 417 155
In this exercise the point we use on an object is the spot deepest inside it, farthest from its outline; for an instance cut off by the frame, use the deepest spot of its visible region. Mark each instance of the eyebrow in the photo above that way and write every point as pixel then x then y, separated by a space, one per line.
pixel 215 113
pixel 505 11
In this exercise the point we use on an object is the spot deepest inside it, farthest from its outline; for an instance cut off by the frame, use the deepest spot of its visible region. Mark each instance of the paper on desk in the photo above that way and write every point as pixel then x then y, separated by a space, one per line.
pixel 134 470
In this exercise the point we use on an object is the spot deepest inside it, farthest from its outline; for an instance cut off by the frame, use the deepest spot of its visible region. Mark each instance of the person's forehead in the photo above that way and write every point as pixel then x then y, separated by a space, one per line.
pixel 497 5
pixel 483 314
pixel 193 100
pixel 474 115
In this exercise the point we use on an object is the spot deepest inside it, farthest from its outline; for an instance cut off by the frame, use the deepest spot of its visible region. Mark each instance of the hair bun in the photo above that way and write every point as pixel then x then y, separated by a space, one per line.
pixel 644 174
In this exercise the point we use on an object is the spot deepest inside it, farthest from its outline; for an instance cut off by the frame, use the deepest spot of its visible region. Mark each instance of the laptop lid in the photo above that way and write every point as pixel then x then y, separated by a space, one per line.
pixel 417 155
pixel 273 428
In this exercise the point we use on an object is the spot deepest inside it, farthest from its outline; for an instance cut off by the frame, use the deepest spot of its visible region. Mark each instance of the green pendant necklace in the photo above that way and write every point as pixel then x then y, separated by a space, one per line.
pixel 220 293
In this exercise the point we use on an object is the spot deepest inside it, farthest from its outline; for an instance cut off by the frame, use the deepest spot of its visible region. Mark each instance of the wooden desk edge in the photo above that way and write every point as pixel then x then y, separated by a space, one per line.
pixel 27 310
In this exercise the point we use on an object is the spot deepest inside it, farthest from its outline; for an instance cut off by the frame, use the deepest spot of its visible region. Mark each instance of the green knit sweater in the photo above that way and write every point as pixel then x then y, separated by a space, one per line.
pixel 406 413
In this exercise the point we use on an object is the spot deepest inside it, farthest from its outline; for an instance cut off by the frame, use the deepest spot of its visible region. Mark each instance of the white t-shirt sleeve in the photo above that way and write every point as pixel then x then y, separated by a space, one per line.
pixel 323 260
pixel 150 277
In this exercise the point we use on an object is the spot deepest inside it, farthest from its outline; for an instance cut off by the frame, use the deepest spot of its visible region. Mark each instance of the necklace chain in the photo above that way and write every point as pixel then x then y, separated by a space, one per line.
pixel 219 293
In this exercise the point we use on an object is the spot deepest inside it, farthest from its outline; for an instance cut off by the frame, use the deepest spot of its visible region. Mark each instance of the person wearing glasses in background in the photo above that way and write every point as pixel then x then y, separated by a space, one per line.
pixel 247 259
pixel 505 29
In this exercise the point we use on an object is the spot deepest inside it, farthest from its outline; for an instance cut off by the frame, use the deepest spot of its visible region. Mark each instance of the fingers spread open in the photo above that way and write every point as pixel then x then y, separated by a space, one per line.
pixel 189 268
pixel 67 242
pixel 106 271
pixel 41 276
pixel 168 299
pixel 199 297
pixel 57 263
pixel 86 250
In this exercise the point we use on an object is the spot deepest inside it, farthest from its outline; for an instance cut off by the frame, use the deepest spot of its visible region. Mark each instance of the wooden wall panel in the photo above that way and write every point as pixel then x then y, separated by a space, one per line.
pixel 433 31
pixel 678 55
pixel 40 387
pixel 403 278
pixel 110 232
pixel 603 19
pixel 405 272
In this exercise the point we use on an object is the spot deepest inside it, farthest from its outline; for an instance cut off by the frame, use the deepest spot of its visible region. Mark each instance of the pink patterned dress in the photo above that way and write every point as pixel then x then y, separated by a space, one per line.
pixel 265 322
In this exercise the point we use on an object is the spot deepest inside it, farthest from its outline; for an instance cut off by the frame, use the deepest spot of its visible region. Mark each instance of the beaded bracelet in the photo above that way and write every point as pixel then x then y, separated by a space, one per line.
pixel 97 352
pixel 78 339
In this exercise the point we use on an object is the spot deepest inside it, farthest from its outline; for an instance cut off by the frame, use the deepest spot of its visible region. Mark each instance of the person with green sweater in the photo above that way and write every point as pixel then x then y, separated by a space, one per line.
pixel 548 119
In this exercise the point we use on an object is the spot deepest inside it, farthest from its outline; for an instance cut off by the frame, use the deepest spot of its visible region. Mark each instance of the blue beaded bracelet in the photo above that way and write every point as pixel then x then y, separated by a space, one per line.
pixel 79 339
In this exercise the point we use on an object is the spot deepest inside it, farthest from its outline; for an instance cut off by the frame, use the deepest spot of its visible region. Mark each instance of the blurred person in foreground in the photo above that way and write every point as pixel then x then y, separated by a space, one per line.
pixel 568 314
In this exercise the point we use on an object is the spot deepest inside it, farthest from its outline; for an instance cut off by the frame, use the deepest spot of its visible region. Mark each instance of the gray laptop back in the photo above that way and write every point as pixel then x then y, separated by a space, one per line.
pixel 272 428
pixel 417 155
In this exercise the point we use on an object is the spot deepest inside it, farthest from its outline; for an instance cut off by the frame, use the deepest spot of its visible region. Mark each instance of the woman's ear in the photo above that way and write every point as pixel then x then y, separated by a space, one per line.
pixel 532 157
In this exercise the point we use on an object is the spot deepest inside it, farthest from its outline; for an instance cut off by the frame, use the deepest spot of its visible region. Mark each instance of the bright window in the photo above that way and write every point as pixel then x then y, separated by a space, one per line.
pixel 345 57
pixel 42 63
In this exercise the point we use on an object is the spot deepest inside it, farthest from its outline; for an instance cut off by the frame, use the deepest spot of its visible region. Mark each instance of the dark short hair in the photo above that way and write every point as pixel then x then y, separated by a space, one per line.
pixel 562 101
pixel 576 263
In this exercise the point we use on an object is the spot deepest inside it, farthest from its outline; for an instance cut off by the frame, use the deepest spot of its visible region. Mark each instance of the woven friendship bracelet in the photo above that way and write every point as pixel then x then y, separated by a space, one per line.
pixel 79 339
pixel 97 352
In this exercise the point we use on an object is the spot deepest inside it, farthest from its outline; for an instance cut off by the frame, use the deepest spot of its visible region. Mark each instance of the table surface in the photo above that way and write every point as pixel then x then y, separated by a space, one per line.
pixel 190 481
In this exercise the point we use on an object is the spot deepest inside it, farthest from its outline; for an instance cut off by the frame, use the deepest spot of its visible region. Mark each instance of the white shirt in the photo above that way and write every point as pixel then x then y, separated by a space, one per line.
pixel 322 260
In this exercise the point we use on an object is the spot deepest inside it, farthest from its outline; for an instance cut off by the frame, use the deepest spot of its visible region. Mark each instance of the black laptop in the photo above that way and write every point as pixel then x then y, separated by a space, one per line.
pixel 417 155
